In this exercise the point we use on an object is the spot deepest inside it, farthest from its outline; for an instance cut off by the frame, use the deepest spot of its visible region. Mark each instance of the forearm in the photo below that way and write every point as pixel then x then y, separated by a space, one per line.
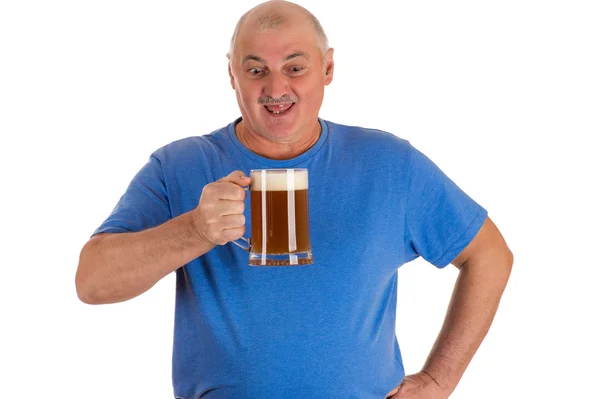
pixel 117 267
pixel 474 302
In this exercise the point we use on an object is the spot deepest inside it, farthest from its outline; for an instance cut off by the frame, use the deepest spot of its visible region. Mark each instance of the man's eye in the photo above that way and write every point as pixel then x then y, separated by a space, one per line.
pixel 296 69
pixel 254 71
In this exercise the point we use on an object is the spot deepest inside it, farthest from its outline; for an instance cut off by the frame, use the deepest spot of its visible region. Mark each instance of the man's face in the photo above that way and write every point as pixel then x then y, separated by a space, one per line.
pixel 279 78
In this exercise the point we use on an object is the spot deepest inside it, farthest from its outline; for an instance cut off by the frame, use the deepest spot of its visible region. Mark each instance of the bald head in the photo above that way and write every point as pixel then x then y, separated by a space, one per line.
pixel 274 14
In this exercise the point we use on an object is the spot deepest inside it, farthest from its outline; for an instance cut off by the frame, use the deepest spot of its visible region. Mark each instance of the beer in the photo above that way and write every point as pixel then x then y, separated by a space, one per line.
pixel 276 235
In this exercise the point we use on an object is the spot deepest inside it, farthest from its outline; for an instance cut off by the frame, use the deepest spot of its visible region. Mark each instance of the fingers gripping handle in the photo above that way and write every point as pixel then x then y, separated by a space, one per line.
pixel 239 241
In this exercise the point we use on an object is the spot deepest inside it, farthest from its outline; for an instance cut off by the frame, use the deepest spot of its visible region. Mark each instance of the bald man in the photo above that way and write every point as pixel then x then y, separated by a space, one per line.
pixel 325 330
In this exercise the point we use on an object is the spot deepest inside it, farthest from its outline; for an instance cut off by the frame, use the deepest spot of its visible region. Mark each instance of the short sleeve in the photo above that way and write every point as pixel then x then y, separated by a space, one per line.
pixel 441 219
pixel 144 204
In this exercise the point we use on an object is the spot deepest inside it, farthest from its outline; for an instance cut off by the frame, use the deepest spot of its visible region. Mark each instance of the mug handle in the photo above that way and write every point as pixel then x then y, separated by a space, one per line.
pixel 244 247
pixel 244 239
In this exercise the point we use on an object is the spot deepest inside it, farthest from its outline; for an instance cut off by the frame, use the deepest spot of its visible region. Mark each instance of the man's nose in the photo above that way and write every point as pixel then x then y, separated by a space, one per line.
pixel 277 85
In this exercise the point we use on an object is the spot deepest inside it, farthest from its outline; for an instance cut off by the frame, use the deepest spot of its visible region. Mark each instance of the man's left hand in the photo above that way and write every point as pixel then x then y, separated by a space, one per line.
pixel 417 386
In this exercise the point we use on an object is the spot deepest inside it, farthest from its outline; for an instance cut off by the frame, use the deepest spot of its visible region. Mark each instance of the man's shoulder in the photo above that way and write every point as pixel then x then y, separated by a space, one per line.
pixel 192 146
pixel 366 136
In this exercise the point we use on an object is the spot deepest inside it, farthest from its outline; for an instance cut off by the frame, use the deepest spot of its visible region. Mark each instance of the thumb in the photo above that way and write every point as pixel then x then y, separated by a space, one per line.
pixel 237 177
pixel 392 393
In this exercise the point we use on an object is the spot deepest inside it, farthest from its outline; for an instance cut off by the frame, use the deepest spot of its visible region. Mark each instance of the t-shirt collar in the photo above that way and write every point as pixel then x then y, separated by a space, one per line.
pixel 278 163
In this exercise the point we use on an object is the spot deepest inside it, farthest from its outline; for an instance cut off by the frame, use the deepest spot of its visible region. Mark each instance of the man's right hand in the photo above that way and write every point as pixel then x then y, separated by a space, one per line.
pixel 219 216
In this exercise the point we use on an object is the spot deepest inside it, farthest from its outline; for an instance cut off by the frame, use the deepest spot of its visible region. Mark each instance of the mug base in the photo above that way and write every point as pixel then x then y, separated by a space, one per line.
pixel 289 259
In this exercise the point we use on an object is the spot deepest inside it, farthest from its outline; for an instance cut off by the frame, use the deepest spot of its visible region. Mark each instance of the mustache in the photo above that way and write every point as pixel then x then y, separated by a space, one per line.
pixel 286 98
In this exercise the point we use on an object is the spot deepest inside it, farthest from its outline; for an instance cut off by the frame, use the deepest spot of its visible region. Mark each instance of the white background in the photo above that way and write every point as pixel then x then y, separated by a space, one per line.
pixel 503 96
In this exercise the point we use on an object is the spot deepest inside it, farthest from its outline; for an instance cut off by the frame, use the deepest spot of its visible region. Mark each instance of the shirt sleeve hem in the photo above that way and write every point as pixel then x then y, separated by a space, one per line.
pixel 461 243
pixel 110 229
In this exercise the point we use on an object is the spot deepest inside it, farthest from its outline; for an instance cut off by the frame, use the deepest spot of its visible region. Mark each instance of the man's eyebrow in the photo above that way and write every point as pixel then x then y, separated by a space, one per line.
pixel 251 57
pixel 298 54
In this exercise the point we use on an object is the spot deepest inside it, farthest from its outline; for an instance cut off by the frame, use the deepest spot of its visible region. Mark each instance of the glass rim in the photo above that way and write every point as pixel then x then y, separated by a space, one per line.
pixel 279 170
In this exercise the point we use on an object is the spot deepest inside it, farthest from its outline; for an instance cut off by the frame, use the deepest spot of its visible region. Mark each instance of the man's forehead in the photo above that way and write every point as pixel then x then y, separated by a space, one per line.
pixel 277 45
pixel 299 34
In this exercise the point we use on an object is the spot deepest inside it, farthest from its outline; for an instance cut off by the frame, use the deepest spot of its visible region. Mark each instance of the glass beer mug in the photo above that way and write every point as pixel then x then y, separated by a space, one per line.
pixel 279 217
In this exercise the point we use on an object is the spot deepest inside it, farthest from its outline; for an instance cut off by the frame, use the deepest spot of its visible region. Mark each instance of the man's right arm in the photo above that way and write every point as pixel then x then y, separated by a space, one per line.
pixel 116 267
pixel 119 266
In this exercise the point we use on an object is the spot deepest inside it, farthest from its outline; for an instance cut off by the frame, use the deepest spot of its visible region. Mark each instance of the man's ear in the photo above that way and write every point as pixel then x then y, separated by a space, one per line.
pixel 231 78
pixel 329 66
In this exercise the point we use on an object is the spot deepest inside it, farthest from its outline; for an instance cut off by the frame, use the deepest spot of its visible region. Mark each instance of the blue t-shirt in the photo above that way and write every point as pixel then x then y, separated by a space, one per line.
pixel 325 330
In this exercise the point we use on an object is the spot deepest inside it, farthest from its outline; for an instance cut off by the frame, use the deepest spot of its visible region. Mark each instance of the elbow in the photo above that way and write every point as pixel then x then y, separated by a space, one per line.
pixel 509 265
pixel 508 261
pixel 504 264
pixel 85 297
pixel 87 292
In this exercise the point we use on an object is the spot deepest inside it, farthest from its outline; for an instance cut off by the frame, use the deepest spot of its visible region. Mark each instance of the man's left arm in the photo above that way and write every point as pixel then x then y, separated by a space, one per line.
pixel 485 265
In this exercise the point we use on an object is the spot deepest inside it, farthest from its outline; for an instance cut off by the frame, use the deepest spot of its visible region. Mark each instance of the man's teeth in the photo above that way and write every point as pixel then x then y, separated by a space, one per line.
pixel 279 112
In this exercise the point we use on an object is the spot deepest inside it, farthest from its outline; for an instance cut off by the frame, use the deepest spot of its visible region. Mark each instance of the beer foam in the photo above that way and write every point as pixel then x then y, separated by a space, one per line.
pixel 277 180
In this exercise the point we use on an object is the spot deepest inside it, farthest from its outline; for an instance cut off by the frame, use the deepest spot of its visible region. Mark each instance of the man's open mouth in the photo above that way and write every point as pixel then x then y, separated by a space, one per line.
pixel 279 109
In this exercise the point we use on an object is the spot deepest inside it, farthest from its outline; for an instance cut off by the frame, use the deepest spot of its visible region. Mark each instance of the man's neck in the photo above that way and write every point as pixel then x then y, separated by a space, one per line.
pixel 276 150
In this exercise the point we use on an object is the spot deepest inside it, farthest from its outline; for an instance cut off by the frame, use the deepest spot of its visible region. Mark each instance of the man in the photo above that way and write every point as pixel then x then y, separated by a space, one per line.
pixel 325 330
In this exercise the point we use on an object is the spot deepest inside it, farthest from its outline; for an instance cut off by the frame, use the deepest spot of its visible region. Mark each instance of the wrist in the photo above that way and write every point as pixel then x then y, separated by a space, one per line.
pixel 199 240
pixel 443 383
